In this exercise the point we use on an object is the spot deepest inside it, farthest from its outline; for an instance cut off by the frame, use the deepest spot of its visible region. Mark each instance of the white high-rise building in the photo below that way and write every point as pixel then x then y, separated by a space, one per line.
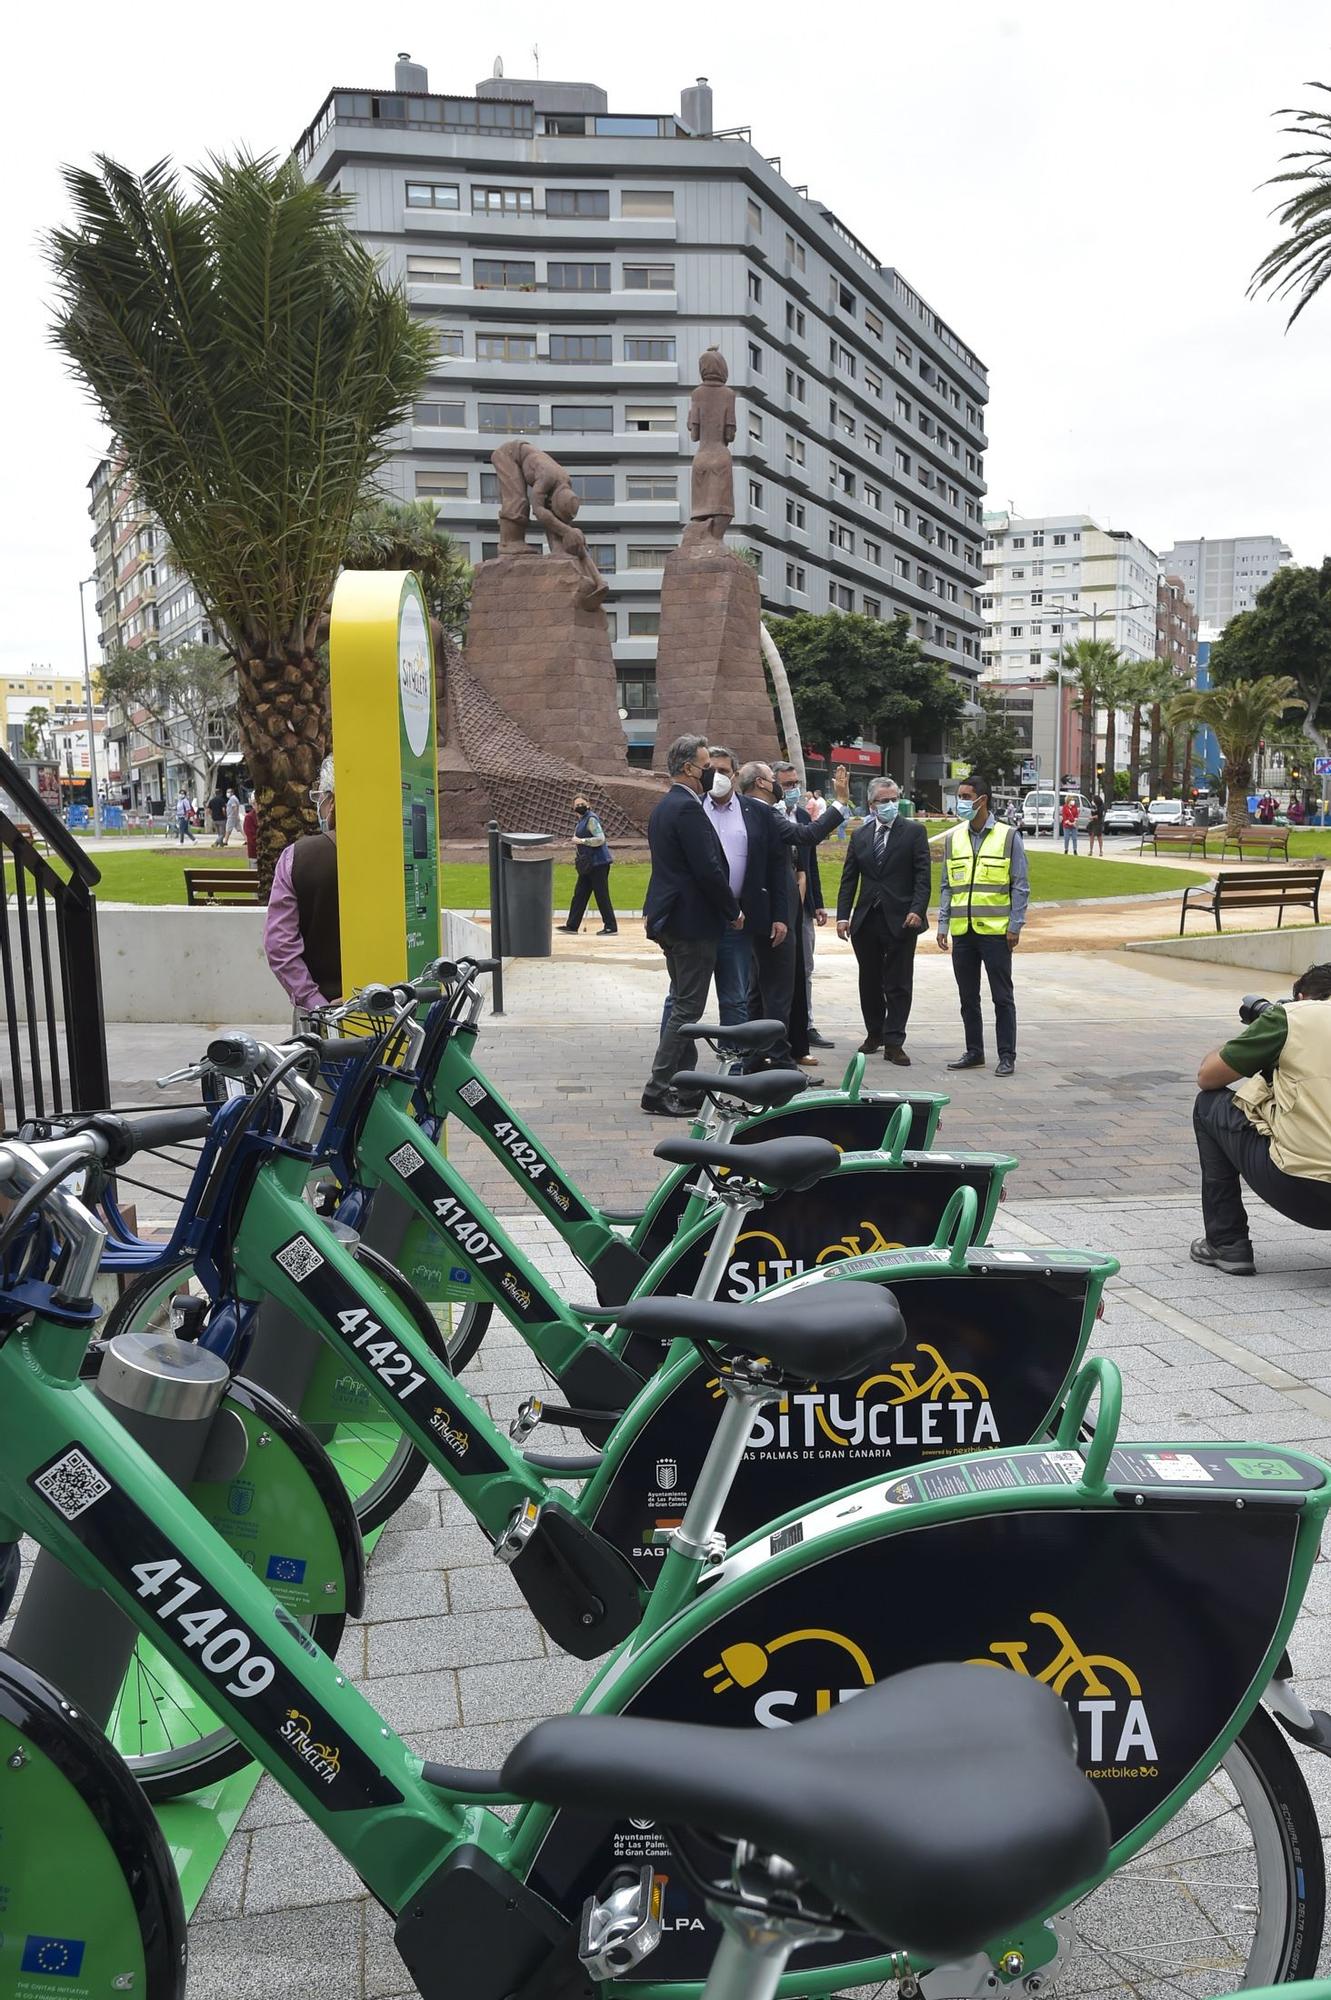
pixel 1224 577
pixel 1053 579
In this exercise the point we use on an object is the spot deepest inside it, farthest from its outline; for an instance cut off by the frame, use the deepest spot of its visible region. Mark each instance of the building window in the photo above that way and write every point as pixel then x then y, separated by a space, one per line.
pixel 755 427
pixel 439 416
pixel 604 555
pixel 649 277
pixel 873 607
pixel 756 495
pixel 794 321
pixel 873 551
pixel 901 460
pixel 901 565
pixel 903 356
pixel 842 597
pixel 1037 539
pixel 1018 575
pixel 840 537
pixel 755 288
pixel 647 556
pixel 843 296
pixel 795 514
pixel 794 253
pixel 432 194
pixel 1016 631
pixel 1037 597
pixel 582 417
pixel 900 514
pixel 1034 657
pixel 844 480
pixel 873 384
pixel 650 417
pixel 873 497
pixel 644 624
pixel 508 417
pixel 506 347
pixel 873 442
pixel 1060 541
pixel 448 343
pixel 649 347
pixel 1019 541
pixel 501 201
pixel 755 214
pixel 594 202
pixel 503 274
pixel 755 357
pixel 577 277
pixel 794 576
pixel 842 419
pixel 794 448
pixel 795 385
pixel 843 358
pixel 647 202
pixel 434 270
pixel 651 486
pixel 441 485
pixel 598 487
pixel 873 323
pixel 582 348
pixel 637 694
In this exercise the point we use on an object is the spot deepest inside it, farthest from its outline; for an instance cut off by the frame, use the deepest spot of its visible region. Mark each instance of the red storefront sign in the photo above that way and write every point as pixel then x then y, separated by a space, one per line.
pixel 852 755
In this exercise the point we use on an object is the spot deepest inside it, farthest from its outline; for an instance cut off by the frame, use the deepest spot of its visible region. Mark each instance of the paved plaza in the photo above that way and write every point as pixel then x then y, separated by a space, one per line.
pixel 1098 1115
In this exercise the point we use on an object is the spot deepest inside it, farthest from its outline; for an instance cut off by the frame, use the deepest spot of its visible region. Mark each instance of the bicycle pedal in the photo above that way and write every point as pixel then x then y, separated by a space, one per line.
pixel 621 1925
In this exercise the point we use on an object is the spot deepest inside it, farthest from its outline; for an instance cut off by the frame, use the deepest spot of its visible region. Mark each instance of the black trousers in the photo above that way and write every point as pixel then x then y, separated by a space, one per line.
pixel 1232 1151
pixel 887 978
pixel 596 882
pixel 690 963
pixel 772 990
pixel 969 953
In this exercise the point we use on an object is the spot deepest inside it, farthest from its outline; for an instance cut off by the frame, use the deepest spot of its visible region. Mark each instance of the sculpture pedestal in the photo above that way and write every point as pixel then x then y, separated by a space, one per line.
pixel 545 661
pixel 709 669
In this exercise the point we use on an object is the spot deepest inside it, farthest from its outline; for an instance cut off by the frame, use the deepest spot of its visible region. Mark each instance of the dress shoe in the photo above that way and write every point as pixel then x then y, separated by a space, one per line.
pixel 605 933
pixel 897 1056
pixel 807 1062
pixel 665 1104
pixel 817 1041
pixel 969 1061
pixel 1234 1258
pixel 1005 1066
pixel 869 1047
pixel 566 930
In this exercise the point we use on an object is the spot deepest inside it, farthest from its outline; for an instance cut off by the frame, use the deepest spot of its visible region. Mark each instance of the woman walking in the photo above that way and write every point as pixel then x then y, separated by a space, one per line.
pixel 593 860
pixel 1096 830
pixel 1068 821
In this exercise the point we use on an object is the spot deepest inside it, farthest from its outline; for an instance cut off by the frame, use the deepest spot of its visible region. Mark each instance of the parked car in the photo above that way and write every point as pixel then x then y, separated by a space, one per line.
pixel 1169 812
pixel 1126 816
pixel 1040 811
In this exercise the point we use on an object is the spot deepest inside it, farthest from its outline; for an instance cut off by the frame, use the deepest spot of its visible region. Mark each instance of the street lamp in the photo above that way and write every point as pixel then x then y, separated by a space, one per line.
pixel 87 700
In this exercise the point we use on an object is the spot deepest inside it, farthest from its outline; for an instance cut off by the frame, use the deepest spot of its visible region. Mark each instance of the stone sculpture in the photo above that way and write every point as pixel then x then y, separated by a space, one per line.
pixel 531 482
pixel 712 427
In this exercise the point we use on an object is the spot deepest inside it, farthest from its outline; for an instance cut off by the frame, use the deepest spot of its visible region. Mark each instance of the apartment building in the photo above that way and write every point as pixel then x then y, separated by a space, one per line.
pixel 574 262
pixel 1222 577
pixel 1176 624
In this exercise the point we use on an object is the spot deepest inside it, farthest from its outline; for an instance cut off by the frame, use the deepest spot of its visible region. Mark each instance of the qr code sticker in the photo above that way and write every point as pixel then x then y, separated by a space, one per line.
pixel 405 1161
pixel 72 1485
pixel 299 1258
pixel 472 1093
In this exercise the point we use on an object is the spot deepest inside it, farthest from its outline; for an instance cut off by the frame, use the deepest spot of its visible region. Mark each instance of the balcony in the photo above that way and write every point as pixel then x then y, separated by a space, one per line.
pixel 534 225
pixel 537 301
pixel 598 444
pixel 543 375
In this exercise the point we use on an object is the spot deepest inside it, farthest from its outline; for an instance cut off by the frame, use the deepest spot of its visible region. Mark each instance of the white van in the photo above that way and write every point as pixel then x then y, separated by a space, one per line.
pixel 1041 811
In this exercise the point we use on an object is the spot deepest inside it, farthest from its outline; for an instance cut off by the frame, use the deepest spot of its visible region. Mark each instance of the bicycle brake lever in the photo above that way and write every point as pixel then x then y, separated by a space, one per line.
pixel 190 1074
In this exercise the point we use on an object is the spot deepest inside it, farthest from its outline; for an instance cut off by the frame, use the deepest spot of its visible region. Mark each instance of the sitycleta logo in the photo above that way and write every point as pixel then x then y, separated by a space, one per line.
pixel 769 1262
pixel 1103 1693
pixel 926 1405
pixel 745 1665
pixel 450 1430
pixel 324 1759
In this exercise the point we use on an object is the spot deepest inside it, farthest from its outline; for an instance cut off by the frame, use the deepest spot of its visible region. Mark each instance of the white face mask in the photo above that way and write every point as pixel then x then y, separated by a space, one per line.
pixel 722 786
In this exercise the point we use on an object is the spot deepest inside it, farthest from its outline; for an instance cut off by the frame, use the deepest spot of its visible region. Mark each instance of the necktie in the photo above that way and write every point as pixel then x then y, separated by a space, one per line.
pixel 879 843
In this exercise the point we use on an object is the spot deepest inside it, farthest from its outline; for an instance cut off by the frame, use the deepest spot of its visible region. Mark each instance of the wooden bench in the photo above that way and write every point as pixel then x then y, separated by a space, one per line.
pixel 1268 843
pixel 238 886
pixel 1260 889
pixel 1191 839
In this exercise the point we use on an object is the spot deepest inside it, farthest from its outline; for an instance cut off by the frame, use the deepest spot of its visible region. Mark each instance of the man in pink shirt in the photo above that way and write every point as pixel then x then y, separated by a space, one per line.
pixel 301 939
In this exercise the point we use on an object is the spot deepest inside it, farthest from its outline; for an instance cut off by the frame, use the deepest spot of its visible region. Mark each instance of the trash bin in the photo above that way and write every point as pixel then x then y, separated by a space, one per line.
pixel 529 889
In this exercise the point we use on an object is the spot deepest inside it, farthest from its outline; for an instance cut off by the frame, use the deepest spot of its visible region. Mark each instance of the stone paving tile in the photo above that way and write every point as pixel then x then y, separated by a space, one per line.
pixel 286 1955
pixel 468 1638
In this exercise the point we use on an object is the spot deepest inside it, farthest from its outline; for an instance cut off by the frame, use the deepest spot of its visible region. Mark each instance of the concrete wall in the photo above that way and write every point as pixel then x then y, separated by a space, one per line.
pixel 1267 951
pixel 206 965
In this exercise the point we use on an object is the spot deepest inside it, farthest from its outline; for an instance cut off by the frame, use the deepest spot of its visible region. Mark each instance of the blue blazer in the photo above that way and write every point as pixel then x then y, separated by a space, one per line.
pixel 688 895
pixel 768 889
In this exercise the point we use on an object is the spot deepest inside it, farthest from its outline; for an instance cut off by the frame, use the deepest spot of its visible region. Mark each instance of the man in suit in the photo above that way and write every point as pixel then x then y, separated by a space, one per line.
pixel 887 861
pixel 813 913
pixel 688 905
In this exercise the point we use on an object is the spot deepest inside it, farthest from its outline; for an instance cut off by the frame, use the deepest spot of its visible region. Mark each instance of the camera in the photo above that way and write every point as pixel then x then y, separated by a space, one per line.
pixel 1253 1005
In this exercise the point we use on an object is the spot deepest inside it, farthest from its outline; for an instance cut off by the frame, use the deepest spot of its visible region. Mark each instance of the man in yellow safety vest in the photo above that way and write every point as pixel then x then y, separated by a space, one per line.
pixel 982 907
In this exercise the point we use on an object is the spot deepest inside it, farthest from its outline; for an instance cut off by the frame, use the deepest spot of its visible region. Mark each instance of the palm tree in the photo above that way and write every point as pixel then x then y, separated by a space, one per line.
pixel 1240 714
pixel 1144 684
pixel 1300 264
pixel 1089 663
pixel 251 360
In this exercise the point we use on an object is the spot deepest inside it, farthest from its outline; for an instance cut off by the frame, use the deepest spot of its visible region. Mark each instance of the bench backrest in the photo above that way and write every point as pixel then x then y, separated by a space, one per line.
pixel 212 885
pixel 1267 885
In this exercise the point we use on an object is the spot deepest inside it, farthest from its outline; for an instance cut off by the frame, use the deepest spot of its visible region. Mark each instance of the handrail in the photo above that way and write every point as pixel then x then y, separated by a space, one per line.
pixel 43 821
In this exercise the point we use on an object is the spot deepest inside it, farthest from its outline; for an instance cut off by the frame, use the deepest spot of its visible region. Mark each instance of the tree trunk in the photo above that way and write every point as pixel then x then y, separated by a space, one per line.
pixel 1238 777
pixel 283 707
pixel 1110 747
pixel 1087 746
pixel 785 702
pixel 1135 753
pixel 1157 724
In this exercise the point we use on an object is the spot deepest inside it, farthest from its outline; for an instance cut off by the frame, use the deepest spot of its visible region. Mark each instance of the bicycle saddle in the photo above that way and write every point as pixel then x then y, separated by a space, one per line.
pixel 735 1034
pixel 816 1336
pixel 937 1809
pixel 766 1087
pixel 782 1164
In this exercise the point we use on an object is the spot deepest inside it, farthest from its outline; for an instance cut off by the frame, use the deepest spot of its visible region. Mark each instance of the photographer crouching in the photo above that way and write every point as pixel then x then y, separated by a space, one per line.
pixel 1272 1131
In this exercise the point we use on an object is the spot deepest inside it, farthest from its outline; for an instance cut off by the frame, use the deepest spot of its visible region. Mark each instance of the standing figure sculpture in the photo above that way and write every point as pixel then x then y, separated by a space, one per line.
pixel 712 427
pixel 531 482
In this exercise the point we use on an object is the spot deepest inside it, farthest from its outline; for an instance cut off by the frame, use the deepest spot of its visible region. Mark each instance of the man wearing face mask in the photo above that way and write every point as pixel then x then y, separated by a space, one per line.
pixel 986 890
pixel 688 905
pixel 887 863
pixel 301 939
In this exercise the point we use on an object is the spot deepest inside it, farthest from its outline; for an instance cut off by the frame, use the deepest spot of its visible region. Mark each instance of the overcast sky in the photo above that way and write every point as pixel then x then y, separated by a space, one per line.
pixel 1075 190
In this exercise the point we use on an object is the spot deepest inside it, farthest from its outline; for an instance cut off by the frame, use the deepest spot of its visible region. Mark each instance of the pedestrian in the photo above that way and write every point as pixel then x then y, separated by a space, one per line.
pixel 760 877
pixel 249 826
pixel 886 878
pixel 689 903
pixel 184 815
pixel 301 938
pixel 217 814
pixel 593 861
pixel 233 817
pixel 1266 810
pixel 1273 1131
pixel 1096 830
pixel 1068 821
pixel 1296 813
pixel 982 907
pixel 813 912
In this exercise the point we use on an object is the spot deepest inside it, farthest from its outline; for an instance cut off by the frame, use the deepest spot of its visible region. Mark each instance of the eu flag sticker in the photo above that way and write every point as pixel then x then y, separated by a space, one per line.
pixel 285 1569
pixel 58 1958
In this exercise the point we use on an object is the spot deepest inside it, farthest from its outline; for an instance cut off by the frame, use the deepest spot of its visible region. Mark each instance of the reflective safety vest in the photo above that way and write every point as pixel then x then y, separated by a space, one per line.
pixel 980 879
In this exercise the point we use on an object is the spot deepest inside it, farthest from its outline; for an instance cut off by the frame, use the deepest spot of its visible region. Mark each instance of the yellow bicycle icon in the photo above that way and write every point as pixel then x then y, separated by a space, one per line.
pixel 956 1385
pixel 1067 1661
pixel 858 1243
